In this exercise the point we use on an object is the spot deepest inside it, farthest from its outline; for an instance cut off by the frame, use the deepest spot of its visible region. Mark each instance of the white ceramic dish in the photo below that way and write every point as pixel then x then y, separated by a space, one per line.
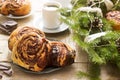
pixel 18 17
pixel 45 71
pixel 39 24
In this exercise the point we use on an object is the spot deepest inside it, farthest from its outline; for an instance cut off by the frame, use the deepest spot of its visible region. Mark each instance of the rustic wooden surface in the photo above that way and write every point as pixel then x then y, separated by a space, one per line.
pixel 108 72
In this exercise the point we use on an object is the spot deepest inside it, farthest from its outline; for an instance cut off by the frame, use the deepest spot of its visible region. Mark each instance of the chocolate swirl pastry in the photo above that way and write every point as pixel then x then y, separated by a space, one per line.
pixel 61 54
pixel 30 52
pixel 33 51
pixel 114 16
pixel 17 33
pixel 15 7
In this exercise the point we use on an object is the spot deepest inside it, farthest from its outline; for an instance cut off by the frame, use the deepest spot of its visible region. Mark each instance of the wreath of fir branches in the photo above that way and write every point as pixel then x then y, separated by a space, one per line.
pixel 102 49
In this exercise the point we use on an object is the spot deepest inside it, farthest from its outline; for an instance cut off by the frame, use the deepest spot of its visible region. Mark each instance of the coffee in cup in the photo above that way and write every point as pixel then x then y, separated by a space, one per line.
pixel 51 15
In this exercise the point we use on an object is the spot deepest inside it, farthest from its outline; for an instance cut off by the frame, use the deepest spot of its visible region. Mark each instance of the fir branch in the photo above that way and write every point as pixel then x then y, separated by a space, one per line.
pixel 99 2
pixel 102 49
pixel 95 57
pixel 78 3
pixel 81 74
pixel 79 41
pixel 117 2
pixel 93 73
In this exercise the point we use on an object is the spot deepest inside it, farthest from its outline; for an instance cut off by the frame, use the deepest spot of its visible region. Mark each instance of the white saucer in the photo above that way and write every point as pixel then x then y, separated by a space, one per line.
pixel 18 17
pixel 39 24
pixel 45 71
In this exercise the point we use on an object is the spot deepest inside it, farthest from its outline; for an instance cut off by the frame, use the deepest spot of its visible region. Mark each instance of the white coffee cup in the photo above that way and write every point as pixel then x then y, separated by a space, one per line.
pixel 64 3
pixel 51 15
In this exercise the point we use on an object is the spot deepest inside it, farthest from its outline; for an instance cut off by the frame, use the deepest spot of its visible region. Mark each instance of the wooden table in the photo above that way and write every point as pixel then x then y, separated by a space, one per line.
pixel 107 72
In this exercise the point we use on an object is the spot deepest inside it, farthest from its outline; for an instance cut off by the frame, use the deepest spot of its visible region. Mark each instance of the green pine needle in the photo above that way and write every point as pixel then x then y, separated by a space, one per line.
pixel 100 50
pixel 93 72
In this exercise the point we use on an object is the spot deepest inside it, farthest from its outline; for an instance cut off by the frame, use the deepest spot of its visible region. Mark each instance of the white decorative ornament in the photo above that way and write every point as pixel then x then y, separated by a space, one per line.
pixel 89 9
pixel 109 4
pixel 94 36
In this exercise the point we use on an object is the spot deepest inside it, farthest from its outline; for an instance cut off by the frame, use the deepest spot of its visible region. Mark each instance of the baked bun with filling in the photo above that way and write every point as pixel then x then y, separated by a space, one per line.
pixel 114 16
pixel 61 54
pixel 33 51
pixel 17 33
pixel 15 7
pixel 30 52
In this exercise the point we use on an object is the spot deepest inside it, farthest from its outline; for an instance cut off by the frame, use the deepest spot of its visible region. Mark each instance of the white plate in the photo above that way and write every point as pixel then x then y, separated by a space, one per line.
pixel 45 71
pixel 39 24
pixel 18 17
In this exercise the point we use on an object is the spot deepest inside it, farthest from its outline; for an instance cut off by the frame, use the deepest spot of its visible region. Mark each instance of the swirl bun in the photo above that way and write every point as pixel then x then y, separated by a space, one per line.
pixel 15 7
pixel 31 50
pixel 114 16
pixel 17 33
pixel 61 54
